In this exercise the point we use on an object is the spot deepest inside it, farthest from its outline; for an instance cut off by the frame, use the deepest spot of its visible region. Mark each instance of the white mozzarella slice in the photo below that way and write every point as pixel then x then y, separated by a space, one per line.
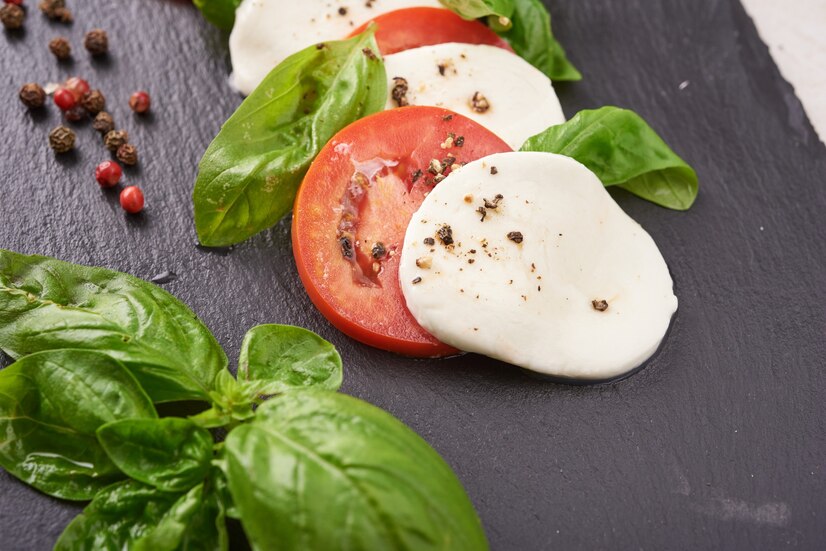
pixel 268 31
pixel 513 99
pixel 537 303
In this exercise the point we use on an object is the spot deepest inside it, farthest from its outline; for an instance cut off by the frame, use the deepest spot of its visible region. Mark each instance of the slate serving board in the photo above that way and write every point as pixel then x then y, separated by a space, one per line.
pixel 719 442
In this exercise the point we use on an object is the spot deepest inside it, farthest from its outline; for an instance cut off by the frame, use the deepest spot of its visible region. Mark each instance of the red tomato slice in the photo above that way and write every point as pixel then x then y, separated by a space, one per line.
pixel 401 30
pixel 352 212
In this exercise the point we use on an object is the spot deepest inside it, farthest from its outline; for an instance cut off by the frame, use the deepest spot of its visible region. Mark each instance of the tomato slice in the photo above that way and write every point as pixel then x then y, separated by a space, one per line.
pixel 352 212
pixel 401 30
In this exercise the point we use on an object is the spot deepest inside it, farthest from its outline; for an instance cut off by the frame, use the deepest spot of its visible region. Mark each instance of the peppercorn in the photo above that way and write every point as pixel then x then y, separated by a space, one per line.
pixel 75 114
pixel 61 48
pixel 103 123
pixel 77 86
pixel 94 102
pixel 50 8
pixel 17 2
pixel 131 199
pixel 139 102
pixel 12 16
pixel 64 15
pixel 32 95
pixel 108 174
pixel 114 139
pixel 128 154
pixel 65 99
pixel 62 139
pixel 96 42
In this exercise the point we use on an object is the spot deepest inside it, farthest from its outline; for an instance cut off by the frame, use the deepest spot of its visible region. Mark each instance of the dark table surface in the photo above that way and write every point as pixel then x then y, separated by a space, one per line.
pixel 720 442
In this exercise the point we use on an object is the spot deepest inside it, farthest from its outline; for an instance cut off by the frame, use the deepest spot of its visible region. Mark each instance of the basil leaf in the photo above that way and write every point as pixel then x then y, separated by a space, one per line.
pixel 249 175
pixel 531 37
pixel 46 304
pixel 622 150
pixel 281 357
pixel 51 404
pixel 320 470
pixel 195 522
pixel 476 9
pixel 220 13
pixel 118 515
pixel 171 454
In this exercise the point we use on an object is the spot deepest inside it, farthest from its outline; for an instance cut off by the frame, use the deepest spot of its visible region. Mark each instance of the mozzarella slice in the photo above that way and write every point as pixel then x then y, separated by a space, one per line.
pixel 268 31
pixel 492 86
pixel 556 278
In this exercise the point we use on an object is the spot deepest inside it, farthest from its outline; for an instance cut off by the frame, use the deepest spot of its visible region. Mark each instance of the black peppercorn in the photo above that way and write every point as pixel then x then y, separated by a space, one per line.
pixel 94 102
pixel 114 139
pixel 96 42
pixel 62 139
pixel 516 237
pixel 61 48
pixel 128 154
pixel 12 16
pixel 32 95
pixel 64 15
pixel 103 123
pixel 75 114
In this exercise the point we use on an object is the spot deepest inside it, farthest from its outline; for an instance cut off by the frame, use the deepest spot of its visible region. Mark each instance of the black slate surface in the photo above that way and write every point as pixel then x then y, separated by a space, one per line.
pixel 719 442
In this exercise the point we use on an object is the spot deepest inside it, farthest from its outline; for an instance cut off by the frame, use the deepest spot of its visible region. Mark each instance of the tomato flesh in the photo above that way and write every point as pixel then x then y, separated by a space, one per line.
pixel 409 28
pixel 352 212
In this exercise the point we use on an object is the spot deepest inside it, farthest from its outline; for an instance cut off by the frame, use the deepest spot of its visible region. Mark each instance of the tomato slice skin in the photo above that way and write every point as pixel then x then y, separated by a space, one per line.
pixel 341 215
pixel 409 28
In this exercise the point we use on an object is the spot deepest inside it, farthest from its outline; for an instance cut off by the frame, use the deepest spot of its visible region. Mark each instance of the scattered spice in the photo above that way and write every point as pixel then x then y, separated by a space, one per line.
pixel 75 114
pixel 417 175
pixel 429 241
pixel 94 102
pixel 140 102
pixel 369 54
pixel 56 10
pixel 103 123
pixel 114 139
pixel 78 86
pixel 479 103
pixel 459 141
pixel 468 198
pixel 62 139
pixel 342 11
pixel 60 48
pixel 471 260
pixel 493 205
pixel 96 42
pixel 516 237
pixel 108 174
pixel 600 305
pixel 445 234
pixel 494 171
pixel 435 167
pixel 399 92
pixel 346 247
pixel 417 280
pixel 64 99
pixel 447 117
pixel 128 154
pixel 484 212
pixel 438 178
pixel 131 199
pixel 448 143
pixel 424 262
pixel 442 68
pixel 12 16
pixel 379 251
pixel 32 95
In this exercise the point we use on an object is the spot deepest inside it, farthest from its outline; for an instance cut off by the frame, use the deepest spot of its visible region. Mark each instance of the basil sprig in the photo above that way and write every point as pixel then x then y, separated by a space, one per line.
pixel 623 150
pixel 301 467
pixel 249 175
pixel 526 25
pixel 220 13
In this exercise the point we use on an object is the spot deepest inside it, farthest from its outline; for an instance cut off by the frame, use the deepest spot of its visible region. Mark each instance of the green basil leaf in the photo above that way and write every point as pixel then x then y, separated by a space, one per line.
pixel 622 150
pixel 281 357
pixel 220 13
pixel 195 522
pixel 51 404
pixel 476 9
pixel 531 37
pixel 249 175
pixel 46 304
pixel 118 515
pixel 171 454
pixel 320 470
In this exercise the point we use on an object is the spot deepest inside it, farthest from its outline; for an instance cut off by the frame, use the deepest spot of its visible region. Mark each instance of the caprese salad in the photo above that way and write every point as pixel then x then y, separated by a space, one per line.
pixel 441 203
